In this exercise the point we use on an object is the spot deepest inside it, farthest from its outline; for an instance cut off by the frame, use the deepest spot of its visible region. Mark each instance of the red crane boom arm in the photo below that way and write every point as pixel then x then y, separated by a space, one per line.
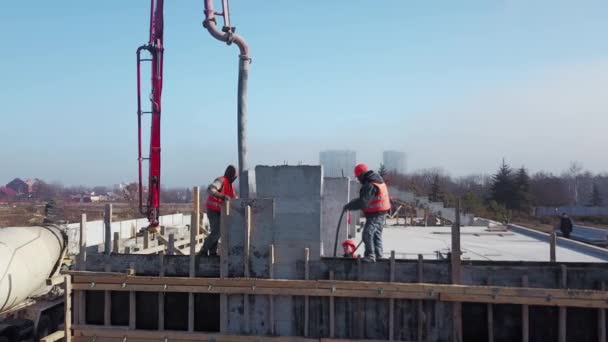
pixel 154 47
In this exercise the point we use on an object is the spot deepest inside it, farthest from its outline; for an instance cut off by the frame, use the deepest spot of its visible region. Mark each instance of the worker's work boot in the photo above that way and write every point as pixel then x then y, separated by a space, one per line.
pixel 368 259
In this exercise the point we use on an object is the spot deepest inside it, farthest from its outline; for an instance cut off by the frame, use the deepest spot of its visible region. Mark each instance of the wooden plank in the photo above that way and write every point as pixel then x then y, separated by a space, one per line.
pixel 391 307
pixel 525 315
pixel 332 310
pixel 100 334
pixel 120 334
pixel 271 297
pixel 562 310
pixel 107 221
pixel 420 307
pixel 56 336
pixel 132 303
pixel 161 295
pixel 482 294
pixel 306 298
pixel 552 247
pixel 67 308
pixel 107 306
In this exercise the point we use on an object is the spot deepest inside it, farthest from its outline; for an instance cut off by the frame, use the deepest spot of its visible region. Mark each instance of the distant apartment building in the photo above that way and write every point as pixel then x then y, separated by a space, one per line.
pixel 338 163
pixel 394 161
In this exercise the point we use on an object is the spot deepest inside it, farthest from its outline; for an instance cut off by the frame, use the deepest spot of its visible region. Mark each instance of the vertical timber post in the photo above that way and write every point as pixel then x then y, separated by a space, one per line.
pixel 562 309
pixel 391 301
pixel 171 247
pixel 107 220
pixel 601 317
pixel 132 304
pixel 525 315
pixel 420 315
pixel 456 276
pixel 195 221
pixel 67 307
pixel 107 299
pixel 246 271
pixel 80 307
pixel 161 294
pixel 552 247
pixel 306 300
pixel 332 311
pixel 271 297
pixel 224 264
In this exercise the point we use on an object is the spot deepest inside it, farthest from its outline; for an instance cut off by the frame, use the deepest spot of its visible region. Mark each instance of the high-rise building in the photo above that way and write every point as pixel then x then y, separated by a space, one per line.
pixel 394 161
pixel 338 163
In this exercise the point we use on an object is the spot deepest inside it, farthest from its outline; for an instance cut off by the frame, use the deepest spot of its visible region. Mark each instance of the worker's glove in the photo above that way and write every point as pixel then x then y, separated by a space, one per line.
pixel 345 208
pixel 226 197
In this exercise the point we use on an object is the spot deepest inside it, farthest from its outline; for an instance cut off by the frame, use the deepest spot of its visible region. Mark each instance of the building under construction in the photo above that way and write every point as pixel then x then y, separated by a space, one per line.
pixel 276 279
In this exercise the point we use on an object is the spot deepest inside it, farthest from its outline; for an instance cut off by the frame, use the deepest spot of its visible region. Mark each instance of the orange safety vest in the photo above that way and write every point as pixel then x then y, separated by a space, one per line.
pixel 381 202
pixel 214 203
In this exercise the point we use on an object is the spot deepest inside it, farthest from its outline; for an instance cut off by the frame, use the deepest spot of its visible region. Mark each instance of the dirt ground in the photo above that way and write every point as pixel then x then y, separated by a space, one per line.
pixel 28 213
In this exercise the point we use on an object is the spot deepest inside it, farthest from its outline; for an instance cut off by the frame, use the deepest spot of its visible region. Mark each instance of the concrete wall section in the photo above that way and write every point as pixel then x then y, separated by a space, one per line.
pixel 335 196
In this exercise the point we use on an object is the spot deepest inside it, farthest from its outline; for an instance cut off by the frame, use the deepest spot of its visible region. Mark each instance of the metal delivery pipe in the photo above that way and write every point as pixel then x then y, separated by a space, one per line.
pixel 228 36
pixel 28 256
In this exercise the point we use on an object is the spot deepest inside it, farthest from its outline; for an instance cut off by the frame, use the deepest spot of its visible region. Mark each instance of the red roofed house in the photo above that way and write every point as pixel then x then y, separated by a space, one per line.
pixel 6 194
pixel 19 186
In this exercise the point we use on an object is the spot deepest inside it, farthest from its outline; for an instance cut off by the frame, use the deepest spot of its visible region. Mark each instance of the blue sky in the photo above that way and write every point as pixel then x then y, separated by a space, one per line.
pixel 455 84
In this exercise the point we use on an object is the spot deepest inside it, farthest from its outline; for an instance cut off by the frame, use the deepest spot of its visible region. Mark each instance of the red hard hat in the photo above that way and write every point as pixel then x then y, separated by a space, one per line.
pixel 360 169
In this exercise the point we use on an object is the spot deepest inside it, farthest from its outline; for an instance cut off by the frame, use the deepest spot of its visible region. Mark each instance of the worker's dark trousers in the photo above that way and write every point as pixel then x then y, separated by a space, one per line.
pixel 210 244
pixel 372 236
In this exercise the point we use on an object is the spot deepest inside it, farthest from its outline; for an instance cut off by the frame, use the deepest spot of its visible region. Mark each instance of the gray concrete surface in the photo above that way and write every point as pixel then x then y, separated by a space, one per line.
pixel 335 195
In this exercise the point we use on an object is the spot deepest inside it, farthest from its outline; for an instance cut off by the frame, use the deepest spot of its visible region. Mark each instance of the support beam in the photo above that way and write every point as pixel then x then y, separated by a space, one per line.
pixel 107 222
pixel 332 311
pixel 107 299
pixel 67 308
pixel 391 302
pixel 490 317
pixel 552 247
pixel 456 276
pixel 171 246
pixel 195 221
pixel 525 315
pixel 562 310
pixel 146 243
pixel 80 301
pixel 132 304
pixel 161 294
pixel 271 297
pixel 224 238
pixel 601 317
pixel 306 300
pixel 419 302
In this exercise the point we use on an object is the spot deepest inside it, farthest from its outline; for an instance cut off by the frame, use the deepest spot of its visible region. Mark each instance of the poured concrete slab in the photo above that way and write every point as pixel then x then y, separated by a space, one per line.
pixel 478 243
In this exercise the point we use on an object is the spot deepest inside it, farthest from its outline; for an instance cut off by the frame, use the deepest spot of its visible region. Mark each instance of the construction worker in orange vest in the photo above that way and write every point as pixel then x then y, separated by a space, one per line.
pixel 375 203
pixel 219 191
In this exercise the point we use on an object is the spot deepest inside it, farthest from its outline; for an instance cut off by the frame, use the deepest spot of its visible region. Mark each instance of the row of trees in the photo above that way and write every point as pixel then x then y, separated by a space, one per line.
pixel 508 189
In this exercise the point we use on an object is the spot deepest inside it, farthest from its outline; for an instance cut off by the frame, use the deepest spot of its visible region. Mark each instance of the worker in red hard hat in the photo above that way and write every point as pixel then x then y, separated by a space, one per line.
pixel 350 247
pixel 219 191
pixel 375 203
